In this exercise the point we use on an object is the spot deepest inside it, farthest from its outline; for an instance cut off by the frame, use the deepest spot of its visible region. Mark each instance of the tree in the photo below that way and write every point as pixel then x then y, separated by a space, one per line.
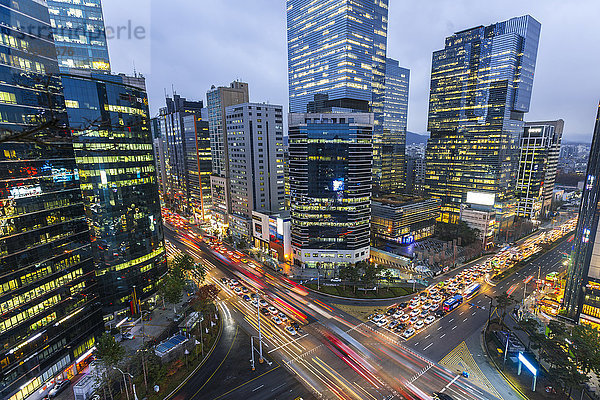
pixel 110 354
pixel 369 273
pixel 171 290
pixel 503 301
pixel 530 326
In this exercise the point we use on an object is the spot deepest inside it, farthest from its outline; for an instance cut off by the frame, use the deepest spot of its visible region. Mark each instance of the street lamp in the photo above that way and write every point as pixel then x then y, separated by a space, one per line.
pixel 125 381
pixel 260 359
pixel 490 311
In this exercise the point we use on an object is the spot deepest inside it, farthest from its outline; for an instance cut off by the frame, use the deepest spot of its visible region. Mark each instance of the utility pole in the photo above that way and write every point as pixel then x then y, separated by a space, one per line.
pixel 260 359
pixel 489 312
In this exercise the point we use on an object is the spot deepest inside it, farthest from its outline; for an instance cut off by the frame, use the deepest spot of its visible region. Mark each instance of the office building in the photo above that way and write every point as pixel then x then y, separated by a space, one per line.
pixel 255 148
pixel 480 90
pixel 48 295
pixel 330 188
pixel 337 51
pixel 185 145
pixel 539 151
pixel 393 143
pixel 483 219
pixel 403 219
pixel 415 174
pixel 582 293
pixel 117 173
pixel 273 235
pixel 217 100
pixel 79 35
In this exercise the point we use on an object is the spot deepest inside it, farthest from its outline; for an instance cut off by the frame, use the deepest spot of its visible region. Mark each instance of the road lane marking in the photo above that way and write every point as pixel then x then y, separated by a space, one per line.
pixel 451 320
pixel 428 346
pixel 442 335
pixel 288 343
pixel 450 384
pixel 454 327
pixel 439 328
pixel 254 390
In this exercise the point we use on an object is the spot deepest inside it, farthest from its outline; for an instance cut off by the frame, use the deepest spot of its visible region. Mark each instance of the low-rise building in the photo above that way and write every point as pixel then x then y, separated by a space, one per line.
pixel 403 218
pixel 482 218
pixel 272 233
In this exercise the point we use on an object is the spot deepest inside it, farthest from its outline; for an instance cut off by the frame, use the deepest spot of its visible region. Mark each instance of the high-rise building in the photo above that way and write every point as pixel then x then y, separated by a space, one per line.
pixel 118 180
pixel 415 174
pixel 480 90
pixel 395 113
pixel 539 151
pixel 48 295
pixel 582 293
pixel 330 158
pixel 217 100
pixel 255 148
pixel 79 35
pixel 337 49
pixel 186 153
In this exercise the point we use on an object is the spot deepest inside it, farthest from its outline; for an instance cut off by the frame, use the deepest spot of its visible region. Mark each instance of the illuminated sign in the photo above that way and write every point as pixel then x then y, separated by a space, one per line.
pixel 486 199
pixel 338 185
pixel 61 175
pixel 527 364
pixel 26 191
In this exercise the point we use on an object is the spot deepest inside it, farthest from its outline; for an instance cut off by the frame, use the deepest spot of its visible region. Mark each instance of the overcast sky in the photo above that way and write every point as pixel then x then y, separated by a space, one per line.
pixel 192 44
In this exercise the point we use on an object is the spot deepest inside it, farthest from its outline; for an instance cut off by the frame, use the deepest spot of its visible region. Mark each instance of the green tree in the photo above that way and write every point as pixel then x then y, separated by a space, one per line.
pixel 530 326
pixel 110 353
pixel 171 290
pixel 503 301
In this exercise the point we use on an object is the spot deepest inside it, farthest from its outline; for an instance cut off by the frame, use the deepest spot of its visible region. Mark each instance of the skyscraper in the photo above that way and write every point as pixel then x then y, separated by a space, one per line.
pixel 337 49
pixel 119 185
pixel 186 152
pixel 217 100
pixel 330 167
pixel 582 293
pixel 395 113
pixel 480 90
pixel 79 35
pixel 48 295
pixel 255 142
pixel 539 151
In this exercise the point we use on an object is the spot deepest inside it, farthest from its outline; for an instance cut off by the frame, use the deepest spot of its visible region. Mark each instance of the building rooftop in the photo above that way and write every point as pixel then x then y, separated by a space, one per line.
pixel 400 199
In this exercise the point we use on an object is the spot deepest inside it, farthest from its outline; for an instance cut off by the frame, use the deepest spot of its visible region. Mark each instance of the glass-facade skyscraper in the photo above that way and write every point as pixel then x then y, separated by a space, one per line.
pixel 48 293
pixel 395 113
pixel 481 86
pixel 79 35
pixel 582 293
pixel 330 168
pixel 337 48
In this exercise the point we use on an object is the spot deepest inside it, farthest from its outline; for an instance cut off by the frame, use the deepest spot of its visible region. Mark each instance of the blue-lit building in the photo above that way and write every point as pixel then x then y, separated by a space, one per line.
pixel 395 113
pixel 49 312
pixel 480 90
pixel 330 168
pixel 118 180
pixel 337 51
pixel 582 293
pixel 79 35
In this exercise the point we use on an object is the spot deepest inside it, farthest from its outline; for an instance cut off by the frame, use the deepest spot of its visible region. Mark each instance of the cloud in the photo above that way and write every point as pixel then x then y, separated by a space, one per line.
pixel 195 44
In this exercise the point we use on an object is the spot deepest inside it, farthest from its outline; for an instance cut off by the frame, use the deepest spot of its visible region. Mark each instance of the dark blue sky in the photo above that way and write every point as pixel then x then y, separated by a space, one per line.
pixel 192 44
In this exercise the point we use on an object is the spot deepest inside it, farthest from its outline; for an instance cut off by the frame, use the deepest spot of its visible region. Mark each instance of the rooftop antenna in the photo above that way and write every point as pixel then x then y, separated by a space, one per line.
pixel 134 71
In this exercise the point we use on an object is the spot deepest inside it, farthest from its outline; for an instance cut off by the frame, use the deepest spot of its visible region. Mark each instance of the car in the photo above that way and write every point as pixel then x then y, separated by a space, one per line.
pixel 370 317
pixel 255 303
pixel 404 318
pixel 276 319
pixel 237 290
pixel 272 310
pixel 415 312
pixel 224 280
pixel 59 387
pixel 128 336
pixel 408 333
pixel 441 396
pixel 429 319
pixel 282 316
pixel 419 325
pixel 246 297
pixel 245 289
pixel 439 313
pixel 264 311
pixel 381 322
pixel 424 313
pixel 398 314
pixel 290 329
pixel 377 318
pixel 234 282
pixel 336 280
pixel 426 306
pixel 393 324
pixel 255 296
pixel 390 311
pixel 295 325
pixel 403 305
pixel 263 303
pixel 413 320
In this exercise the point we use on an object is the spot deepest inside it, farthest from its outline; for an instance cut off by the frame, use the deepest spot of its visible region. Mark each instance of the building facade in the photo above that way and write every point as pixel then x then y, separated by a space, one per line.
pixel 118 180
pixel 217 100
pixel 415 174
pixel 272 234
pixel 582 293
pixel 79 35
pixel 330 188
pixel 338 48
pixel 482 218
pixel 255 148
pixel 480 90
pixel 539 151
pixel 395 113
pixel 48 292
pixel 186 158
pixel 403 219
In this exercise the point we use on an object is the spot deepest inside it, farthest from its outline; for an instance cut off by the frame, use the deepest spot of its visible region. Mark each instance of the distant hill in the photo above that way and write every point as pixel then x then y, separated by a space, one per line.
pixel 415 138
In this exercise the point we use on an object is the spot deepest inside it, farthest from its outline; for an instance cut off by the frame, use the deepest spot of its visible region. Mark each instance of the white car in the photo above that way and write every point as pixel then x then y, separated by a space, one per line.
pixel 381 322
pixel 377 318
pixel 237 290
pixel 425 306
pixel 419 324
pixel 263 303
pixel 291 330
pixel 255 303
pixel 282 316
pixel 429 319
pixel 408 333
pixel 336 280
pixel 234 282
pixel 272 310
pixel 398 314
pixel 276 319
pixel 415 312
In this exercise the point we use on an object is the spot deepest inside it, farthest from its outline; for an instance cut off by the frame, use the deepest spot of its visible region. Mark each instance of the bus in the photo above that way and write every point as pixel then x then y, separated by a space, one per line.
pixel 452 303
pixel 472 290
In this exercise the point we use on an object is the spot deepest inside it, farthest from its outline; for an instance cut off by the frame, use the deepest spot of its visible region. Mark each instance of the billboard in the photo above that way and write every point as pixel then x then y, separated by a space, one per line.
pixel 486 199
